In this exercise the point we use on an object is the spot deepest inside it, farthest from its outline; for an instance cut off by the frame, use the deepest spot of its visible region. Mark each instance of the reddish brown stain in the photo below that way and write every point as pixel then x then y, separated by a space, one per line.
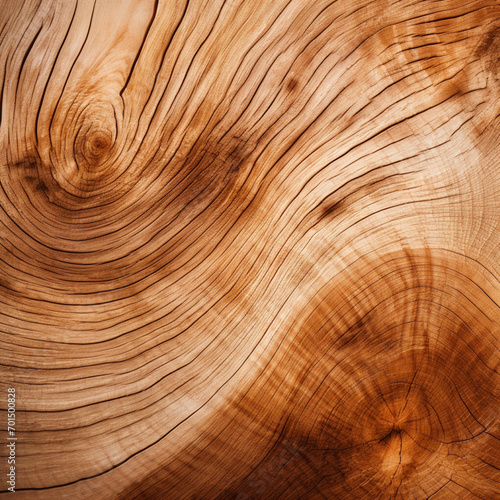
pixel 372 386
pixel 292 84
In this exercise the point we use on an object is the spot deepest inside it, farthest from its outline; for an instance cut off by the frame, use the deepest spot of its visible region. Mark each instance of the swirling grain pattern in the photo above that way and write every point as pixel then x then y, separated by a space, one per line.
pixel 250 249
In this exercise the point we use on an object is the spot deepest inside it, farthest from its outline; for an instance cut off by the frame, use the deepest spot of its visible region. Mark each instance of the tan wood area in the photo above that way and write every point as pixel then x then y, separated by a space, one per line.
pixel 250 249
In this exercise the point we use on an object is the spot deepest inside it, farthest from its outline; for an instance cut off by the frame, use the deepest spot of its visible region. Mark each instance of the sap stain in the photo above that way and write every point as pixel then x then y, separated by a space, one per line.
pixel 367 187
pixel 292 84
pixel 210 176
pixel 488 51
pixel 29 173
pixel 489 43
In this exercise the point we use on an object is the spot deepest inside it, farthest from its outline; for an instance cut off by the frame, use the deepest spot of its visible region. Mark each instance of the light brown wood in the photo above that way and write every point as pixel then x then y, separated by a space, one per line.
pixel 250 249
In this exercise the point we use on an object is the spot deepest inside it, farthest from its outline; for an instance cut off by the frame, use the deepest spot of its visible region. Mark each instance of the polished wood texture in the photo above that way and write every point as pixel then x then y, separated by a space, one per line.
pixel 250 249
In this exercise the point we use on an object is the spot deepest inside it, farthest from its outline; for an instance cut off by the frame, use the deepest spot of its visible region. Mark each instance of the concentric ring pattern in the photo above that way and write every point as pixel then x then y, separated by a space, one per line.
pixel 249 250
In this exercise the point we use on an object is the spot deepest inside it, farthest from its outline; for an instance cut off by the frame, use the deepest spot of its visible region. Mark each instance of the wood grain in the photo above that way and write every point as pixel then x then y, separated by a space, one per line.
pixel 250 250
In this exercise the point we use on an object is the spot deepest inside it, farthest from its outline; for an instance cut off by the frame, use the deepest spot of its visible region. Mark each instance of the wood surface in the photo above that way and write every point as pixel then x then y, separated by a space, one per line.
pixel 250 249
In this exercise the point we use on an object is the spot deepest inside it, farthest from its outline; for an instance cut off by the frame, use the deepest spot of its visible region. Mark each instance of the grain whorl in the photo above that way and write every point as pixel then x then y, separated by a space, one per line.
pixel 381 389
pixel 250 249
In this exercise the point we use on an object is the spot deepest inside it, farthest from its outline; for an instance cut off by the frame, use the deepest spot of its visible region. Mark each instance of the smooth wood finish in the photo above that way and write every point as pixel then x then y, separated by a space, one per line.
pixel 250 249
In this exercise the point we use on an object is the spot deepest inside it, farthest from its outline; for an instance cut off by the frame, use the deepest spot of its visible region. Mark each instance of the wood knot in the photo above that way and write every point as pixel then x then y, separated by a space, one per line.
pixel 92 141
pixel 93 147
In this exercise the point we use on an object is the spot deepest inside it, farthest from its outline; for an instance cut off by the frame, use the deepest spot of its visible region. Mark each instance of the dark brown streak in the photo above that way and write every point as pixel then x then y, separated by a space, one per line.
pixel 449 18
